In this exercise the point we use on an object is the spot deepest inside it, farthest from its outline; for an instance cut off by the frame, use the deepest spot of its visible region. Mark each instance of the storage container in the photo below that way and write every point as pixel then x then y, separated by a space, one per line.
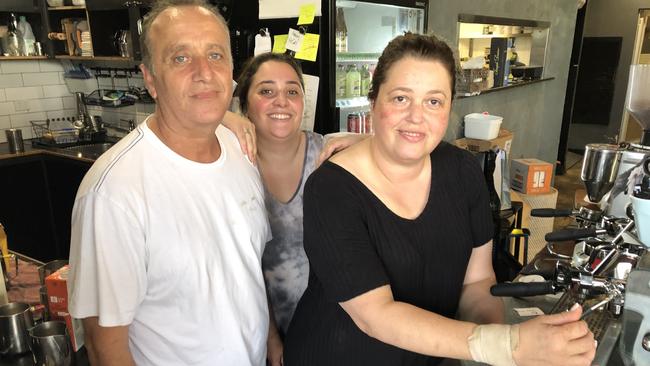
pixel 482 126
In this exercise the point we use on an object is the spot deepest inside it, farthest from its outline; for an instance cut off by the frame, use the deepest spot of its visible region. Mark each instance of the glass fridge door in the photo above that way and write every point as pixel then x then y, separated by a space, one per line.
pixel 362 30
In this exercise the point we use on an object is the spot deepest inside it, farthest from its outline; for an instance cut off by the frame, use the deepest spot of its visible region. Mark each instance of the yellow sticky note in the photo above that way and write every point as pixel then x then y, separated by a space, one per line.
pixel 307 13
pixel 309 48
pixel 279 43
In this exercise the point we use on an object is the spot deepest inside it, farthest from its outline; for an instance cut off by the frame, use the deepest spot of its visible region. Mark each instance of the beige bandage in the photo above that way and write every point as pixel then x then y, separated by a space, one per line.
pixel 494 343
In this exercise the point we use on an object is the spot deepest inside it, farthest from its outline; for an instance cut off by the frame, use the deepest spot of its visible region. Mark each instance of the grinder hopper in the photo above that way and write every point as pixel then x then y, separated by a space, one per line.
pixel 599 169
pixel 637 100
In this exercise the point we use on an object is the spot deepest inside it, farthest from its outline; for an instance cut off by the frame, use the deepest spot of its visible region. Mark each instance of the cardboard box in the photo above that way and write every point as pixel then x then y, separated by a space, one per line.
pixel 503 141
pixel 57 293
pixel 56 285
pixel 531 176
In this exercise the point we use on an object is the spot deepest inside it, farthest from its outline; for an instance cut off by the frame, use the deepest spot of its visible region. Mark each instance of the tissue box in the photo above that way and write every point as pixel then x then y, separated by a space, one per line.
pixel 531 176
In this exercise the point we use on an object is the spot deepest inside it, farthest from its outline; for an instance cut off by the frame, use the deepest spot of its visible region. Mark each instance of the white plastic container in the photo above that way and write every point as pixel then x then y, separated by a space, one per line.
pixel 482 126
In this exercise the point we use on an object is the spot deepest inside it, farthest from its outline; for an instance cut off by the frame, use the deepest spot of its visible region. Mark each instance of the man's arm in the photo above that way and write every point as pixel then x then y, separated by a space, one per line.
pixel 107 346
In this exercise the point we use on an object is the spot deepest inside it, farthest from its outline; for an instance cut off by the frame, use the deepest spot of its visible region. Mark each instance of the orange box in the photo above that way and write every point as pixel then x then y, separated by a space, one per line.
pixel 57 293
pixel 57 300
pixel 531 176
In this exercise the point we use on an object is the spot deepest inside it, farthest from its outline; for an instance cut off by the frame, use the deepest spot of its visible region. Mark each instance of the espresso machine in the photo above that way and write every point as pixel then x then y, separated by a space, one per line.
pixel 608 271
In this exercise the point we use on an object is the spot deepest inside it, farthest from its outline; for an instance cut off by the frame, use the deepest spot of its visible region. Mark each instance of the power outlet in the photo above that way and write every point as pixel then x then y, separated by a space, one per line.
pixel 21 106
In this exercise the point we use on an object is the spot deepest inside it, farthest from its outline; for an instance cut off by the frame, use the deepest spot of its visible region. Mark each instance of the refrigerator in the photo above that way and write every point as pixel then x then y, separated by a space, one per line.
pixel 370 25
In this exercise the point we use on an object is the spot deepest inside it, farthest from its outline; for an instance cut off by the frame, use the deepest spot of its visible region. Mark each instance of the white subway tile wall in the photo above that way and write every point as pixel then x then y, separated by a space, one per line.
pixel 37 90
pixel 22 94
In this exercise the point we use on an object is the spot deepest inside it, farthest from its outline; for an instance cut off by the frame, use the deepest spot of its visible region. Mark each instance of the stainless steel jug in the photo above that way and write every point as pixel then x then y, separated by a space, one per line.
pixel 50 344
pixel 15 320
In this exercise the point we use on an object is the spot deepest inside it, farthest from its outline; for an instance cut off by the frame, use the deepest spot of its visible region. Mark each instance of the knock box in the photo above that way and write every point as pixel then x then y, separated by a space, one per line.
pixel 57 300
pixel 531 176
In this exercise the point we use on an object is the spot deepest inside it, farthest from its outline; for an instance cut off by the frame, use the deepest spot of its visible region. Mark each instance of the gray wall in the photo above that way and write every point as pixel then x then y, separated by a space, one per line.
pixel 606 18
pixel 532 112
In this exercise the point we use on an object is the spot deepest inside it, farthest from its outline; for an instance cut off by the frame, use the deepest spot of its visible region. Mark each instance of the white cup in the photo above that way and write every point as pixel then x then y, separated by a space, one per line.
pixel 642 218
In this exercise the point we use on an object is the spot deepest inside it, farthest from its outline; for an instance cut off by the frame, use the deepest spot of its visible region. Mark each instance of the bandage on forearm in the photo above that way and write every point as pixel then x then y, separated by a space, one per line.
pixel 494 343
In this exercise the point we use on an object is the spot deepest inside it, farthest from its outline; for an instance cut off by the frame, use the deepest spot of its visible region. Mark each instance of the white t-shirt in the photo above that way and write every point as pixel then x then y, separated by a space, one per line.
pixel 173 247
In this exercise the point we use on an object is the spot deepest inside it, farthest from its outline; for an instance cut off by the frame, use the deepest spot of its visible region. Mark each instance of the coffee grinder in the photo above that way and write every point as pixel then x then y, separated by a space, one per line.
pixel 635 336
pixel 637 103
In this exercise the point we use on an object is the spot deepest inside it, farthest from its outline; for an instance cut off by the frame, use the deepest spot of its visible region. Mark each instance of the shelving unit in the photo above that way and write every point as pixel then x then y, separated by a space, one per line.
pixel 94 58
pixel 105 18
pixel 25 58
pixel 70 7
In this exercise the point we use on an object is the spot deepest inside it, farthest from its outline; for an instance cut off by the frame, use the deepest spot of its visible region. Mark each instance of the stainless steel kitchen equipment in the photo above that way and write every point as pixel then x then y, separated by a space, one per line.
pixel 15 140
pixel 599 168
pixel 637 100
pixel 619 199
pixel 50 344
pixel 15 320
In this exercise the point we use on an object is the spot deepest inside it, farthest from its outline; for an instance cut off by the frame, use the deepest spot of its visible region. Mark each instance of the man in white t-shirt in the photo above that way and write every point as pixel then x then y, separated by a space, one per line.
pixel 169 225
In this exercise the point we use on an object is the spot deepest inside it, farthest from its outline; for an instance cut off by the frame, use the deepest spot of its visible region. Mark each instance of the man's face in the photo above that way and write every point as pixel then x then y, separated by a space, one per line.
pixel 191 78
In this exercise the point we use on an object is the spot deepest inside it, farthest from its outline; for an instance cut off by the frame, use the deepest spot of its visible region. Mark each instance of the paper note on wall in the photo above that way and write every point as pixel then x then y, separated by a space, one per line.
pixel 311 97
pixel 272 9
pixel 307 13
pixel 280 43
pixel 309 48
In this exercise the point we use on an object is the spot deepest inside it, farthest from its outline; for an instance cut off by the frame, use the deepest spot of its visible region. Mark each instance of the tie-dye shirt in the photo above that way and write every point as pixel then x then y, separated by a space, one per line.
pixel 285 264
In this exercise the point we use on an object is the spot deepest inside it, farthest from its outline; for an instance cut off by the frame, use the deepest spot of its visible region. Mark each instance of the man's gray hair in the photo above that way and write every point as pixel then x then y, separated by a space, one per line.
pixel 162 5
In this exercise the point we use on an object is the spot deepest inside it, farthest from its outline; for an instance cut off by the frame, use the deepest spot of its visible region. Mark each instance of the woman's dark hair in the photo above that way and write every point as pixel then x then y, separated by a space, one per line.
pixel 425 47
pixel 250 69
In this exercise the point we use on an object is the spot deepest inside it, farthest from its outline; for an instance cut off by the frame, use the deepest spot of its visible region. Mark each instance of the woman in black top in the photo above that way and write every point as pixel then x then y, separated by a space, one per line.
pixel 398 234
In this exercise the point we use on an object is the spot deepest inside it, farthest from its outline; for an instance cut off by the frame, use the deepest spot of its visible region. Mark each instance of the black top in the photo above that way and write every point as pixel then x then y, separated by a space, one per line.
pixel 355 244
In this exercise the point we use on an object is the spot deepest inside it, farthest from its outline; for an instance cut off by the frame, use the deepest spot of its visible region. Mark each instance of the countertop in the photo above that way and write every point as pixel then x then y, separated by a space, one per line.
pixel 31 150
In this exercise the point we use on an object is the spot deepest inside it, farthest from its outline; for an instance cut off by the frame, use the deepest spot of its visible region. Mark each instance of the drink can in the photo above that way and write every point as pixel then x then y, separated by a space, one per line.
pixel 362 122
pixel 368 124
pixel 354 122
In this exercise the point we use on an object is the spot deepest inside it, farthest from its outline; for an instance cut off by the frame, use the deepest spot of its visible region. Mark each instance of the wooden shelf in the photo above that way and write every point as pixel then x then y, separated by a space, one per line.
pixel 5 58
pixel 71 7
pixel 94 58
pixel 495 35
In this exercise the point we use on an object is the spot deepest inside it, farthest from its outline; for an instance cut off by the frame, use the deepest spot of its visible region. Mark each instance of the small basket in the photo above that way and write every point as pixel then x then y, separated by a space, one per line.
pixel 44 134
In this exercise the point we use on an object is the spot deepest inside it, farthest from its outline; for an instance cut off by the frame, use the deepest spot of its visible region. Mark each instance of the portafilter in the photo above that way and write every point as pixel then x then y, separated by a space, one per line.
pixel 599 169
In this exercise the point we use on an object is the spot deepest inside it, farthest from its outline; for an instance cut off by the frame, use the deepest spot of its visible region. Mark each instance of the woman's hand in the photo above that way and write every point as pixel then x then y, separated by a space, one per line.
pixel 558 339
pixel 274 348
pixel 245 132
pixel 338 141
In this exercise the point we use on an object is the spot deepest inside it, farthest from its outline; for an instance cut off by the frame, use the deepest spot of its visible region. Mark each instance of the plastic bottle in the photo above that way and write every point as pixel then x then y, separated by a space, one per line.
pixel 14 38
pixel 340 81
pixel 28 38
pixel 365 80
pixel 4 251
pixel 341 32
pixel 352 82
